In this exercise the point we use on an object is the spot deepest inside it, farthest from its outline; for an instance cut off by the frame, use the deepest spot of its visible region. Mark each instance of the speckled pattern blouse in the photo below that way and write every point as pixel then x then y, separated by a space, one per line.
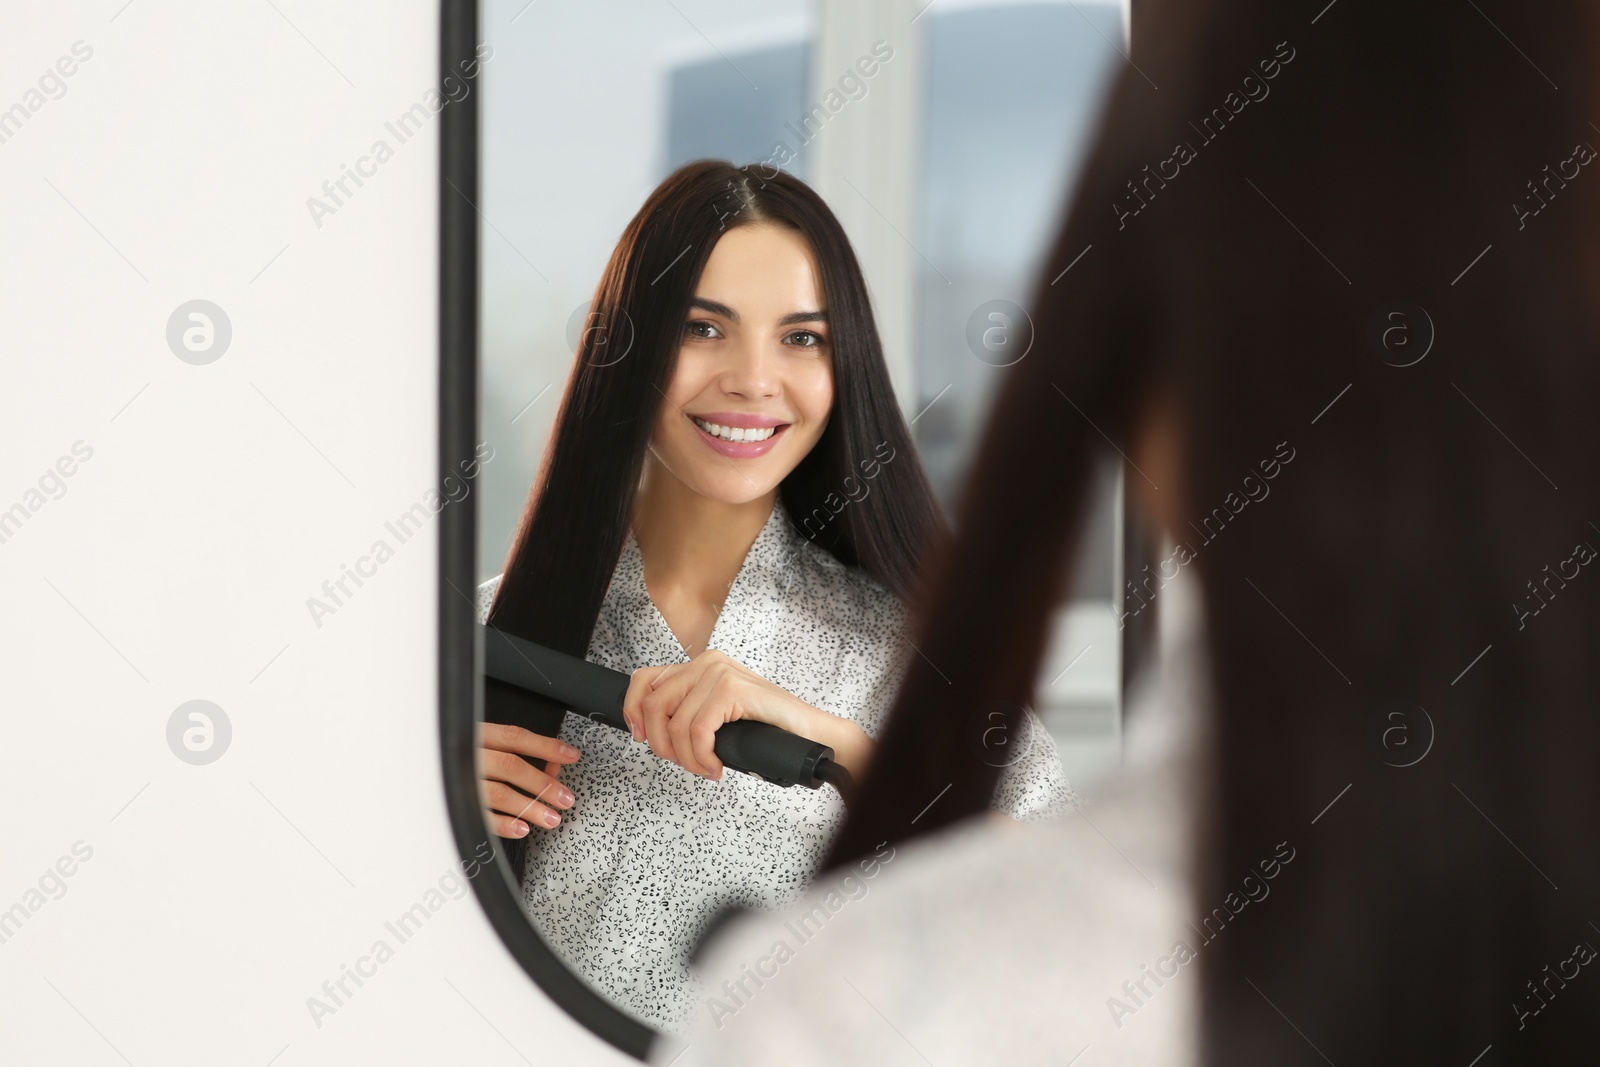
pixel 650 853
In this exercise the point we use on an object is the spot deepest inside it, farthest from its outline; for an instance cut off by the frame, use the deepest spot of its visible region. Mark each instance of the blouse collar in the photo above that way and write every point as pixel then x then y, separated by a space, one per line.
pixel 754 598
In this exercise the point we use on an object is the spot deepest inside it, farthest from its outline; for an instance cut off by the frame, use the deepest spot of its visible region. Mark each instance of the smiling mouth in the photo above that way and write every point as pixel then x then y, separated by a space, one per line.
pixel 737 433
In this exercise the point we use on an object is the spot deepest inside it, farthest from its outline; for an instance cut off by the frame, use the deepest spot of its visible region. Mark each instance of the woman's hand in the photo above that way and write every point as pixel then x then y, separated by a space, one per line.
pixel 678 708
pixel 501 766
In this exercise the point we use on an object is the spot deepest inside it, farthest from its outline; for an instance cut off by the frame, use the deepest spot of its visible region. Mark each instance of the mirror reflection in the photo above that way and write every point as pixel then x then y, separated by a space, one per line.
pixel 730 403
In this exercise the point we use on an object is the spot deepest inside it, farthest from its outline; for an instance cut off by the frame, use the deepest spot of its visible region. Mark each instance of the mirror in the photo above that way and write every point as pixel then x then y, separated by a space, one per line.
pixel 938 141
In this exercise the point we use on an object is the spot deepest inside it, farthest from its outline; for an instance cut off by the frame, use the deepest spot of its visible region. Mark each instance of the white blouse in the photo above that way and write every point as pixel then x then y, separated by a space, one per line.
pixel 649 853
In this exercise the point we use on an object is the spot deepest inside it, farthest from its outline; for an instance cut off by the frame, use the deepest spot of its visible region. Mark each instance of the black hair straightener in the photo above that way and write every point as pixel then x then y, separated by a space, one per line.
pixel 597 692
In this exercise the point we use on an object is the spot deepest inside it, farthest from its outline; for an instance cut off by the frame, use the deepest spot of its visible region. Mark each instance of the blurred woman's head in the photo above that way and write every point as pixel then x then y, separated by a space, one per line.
pixel 1354 249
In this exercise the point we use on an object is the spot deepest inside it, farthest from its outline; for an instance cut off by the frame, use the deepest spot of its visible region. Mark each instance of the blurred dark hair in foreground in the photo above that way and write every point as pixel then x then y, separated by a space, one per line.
pixel 1347 171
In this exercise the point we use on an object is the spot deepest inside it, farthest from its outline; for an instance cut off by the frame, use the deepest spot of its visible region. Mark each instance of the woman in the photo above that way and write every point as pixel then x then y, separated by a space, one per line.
pixel 1353 426
pixel 732 510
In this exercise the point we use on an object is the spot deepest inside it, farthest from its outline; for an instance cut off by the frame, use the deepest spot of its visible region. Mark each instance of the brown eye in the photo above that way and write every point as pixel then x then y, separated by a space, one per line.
pixel 702 329
pixel 806 339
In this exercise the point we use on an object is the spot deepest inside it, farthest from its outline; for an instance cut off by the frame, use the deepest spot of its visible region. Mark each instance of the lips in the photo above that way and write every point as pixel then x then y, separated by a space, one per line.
pixel 739 436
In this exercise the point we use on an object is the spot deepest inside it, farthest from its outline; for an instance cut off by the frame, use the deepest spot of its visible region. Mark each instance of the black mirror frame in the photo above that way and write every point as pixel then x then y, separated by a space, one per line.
pixel 460 655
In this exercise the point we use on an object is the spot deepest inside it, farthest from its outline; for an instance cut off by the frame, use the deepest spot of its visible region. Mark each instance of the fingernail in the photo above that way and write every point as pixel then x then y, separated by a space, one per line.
pixel 635 728
pixel 519 828
pixel 564 797
pixel 550 818
pixel 569 752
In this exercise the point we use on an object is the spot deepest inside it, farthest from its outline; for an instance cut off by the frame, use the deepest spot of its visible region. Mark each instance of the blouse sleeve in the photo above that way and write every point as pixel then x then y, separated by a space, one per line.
pixel 1035 787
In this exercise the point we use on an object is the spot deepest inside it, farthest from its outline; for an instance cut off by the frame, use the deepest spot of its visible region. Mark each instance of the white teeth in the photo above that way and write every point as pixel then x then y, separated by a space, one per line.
pixel 736 433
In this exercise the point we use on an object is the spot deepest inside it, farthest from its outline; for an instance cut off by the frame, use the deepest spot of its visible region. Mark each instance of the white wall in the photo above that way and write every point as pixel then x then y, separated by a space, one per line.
pixel 178 563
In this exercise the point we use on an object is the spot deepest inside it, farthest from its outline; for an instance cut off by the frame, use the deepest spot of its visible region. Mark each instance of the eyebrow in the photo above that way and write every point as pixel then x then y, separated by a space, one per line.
pixel 733 316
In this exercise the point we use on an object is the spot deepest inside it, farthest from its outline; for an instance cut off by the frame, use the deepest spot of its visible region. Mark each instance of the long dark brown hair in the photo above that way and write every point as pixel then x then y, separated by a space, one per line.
pixel 580 507
pixel 1377 255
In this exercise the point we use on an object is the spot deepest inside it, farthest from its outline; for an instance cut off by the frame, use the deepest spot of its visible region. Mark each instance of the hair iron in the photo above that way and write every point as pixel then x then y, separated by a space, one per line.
pixel 597 692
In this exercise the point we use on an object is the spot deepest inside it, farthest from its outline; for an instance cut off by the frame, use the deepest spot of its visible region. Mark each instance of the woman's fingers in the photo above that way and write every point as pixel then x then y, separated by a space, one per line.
pixel 510 813
pixel 512 769
pixel 703 742
pixel 656 708
pixel 642 686
pixel 638 686
pixel 693 726
pixel 509 738
pixel 668 703
pixel 504 825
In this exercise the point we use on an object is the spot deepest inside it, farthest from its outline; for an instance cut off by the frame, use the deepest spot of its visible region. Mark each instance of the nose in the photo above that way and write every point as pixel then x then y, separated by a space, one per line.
pixel 752 372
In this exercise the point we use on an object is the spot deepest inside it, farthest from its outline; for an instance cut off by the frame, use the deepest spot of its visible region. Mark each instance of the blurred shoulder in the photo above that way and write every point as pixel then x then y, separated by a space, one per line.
pixel 987 920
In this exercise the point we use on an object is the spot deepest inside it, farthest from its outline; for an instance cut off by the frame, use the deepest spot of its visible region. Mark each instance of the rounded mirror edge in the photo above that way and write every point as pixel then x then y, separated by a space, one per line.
pixel 460 658
pixel 458 695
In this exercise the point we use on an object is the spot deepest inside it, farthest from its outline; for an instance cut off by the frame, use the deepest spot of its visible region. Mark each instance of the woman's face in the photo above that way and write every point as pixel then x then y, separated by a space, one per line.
pixel 754 382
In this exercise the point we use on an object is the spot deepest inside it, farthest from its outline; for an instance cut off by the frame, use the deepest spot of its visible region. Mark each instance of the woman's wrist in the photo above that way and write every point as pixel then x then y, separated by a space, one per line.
pixel 852 748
